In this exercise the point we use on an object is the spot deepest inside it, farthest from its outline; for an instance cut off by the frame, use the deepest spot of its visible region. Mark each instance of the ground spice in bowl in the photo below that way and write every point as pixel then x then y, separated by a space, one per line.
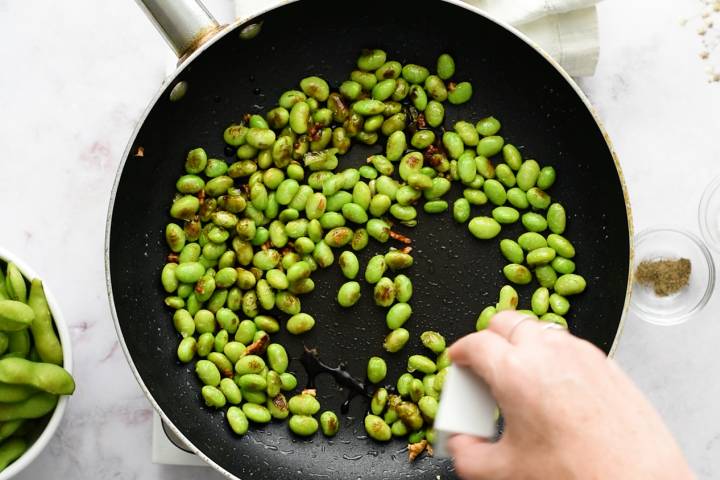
pixel 664 276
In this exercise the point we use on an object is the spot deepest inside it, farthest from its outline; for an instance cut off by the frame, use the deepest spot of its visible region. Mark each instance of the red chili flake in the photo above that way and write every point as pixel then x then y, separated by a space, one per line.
pixel 173 257
pixel 140 152
pixel 421 122
pixel 406 250
pixel 415 449
pixel 259 346
pixel 400 237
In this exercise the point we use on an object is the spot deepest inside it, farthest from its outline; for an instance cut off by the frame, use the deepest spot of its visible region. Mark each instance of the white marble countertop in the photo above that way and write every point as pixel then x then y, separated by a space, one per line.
pixel 72 87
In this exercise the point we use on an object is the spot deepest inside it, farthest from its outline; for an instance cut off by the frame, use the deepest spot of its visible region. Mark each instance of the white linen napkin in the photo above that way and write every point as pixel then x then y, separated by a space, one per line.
pixel 565 29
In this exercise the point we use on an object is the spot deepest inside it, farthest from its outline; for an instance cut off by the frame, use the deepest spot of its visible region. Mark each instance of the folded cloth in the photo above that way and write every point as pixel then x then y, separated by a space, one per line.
pixel 565 29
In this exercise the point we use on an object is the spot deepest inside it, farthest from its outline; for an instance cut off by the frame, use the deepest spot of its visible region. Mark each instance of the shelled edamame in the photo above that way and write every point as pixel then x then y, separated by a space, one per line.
pixel 246 237
pixel 31 374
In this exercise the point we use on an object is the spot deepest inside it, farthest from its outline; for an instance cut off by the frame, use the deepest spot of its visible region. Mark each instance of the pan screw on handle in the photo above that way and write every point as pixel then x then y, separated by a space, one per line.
pixel 185 24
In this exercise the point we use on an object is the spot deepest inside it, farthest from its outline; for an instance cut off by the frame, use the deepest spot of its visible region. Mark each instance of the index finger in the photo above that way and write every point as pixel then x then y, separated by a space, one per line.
pixel 514 327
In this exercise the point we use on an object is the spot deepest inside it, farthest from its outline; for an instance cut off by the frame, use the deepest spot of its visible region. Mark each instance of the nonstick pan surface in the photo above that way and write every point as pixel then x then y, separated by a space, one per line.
pixel 455 276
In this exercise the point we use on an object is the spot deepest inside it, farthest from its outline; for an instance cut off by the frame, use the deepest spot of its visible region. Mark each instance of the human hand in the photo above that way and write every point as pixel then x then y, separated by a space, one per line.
pixel 569 411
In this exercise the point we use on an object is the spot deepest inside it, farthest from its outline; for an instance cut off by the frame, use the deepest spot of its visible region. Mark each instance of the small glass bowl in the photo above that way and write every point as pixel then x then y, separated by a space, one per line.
pixel 709 214
pixel 669 243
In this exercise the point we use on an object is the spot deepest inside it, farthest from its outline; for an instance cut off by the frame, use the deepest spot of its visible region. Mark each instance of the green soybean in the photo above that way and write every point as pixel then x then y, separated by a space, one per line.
pixel 396 340
pixel 561 245
pixel 484 228
pixel 565 285
pixel 376 369
pixel 377 429
pixel 546 276
pixel 518 274
pixel 397 315
pixel 459 93
pixel 546 178
pixel 556 218
pixel 512 251
pixel 508 299
pixel 300 323
pixel 483 319
pixel 540 301
pixel 433 341
pixel 534 222
pixel 559 304
pixel 563 265
pixel 349 294
pixel 461 210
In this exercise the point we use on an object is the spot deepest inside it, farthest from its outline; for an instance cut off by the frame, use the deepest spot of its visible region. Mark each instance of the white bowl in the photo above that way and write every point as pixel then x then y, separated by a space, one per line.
pixel 62 329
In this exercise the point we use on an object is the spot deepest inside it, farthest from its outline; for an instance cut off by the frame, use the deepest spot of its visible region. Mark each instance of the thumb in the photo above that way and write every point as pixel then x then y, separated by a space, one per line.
pixel 476 458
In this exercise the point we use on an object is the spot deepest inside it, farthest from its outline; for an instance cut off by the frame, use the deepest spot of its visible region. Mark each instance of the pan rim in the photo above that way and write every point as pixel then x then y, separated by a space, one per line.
pixel 233 27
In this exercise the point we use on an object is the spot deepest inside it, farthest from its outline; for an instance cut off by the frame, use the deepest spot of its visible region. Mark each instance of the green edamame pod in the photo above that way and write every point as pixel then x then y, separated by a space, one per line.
pixel 36 406
pixel 47 377
pixel 16 393
pixel 7 429
pixel 15 283
pixel 15 315
pixel 19 344
pixel 11 450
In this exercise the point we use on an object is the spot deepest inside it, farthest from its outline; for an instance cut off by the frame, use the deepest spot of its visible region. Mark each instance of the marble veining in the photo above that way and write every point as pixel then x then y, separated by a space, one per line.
pixel 77 75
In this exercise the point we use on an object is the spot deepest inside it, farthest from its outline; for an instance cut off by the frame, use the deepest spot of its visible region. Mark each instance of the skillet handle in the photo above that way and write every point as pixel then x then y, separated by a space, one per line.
pixel 185 24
